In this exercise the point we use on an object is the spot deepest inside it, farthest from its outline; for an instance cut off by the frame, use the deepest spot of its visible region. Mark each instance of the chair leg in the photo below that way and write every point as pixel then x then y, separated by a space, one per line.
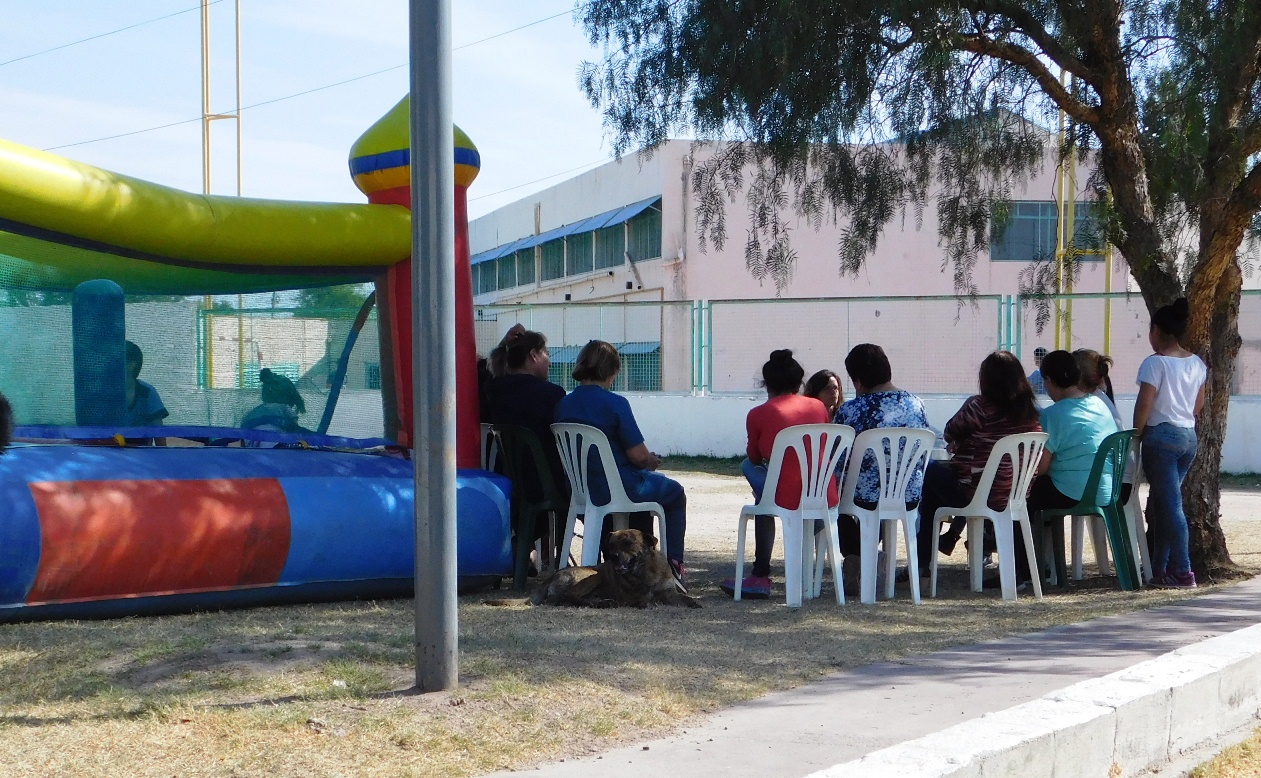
pixel 807 559
pixel 1099 539
pixel 1119 537
pixel 1138 538
pixel 890 532
pixel 1034 573
pixel 744 526
pixel 525 542
pixel 1079 544
pixel 792 560
pixel 869 532
pixel 1006 557
pixel 834 560
pixel 976 552
pixel 820 559
pixel 592 531
pixel 567 547
pixel 912 558
pixel 932 566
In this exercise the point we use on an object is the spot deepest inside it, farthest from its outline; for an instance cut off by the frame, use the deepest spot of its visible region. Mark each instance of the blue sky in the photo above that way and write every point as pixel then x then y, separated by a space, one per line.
pixel 516 95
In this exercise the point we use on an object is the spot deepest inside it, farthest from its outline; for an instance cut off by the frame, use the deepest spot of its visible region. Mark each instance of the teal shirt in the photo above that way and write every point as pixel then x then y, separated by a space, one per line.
pixel 1076 426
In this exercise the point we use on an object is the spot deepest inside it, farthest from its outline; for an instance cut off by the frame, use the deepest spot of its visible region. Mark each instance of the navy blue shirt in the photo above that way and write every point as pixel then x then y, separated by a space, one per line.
pixel 608 412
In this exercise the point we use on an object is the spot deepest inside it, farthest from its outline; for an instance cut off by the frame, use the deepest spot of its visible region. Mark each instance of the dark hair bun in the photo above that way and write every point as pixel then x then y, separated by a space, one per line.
pixel 782 356
pixel 1181 308
pixel 266 376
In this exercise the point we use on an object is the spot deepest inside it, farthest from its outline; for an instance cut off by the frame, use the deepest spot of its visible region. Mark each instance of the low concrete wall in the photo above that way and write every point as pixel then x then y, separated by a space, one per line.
pixel 1122 724
pixel 713 425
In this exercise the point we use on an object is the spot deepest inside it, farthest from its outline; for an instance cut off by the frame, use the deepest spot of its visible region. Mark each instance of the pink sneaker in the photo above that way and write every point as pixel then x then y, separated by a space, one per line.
pixel 755 587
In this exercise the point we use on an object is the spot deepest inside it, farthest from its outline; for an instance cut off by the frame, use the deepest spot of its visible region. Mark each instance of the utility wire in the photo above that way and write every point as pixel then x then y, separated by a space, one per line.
pixel 104 34
pixel 275 99
pixel 539 180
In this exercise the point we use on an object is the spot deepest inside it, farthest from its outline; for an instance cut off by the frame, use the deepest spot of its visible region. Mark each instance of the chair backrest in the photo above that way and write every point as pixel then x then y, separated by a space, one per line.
pixel 575 441
pixel 900 453
pixel 1025 452
pixel 1111 458
pixel 820 449
pixel 518 446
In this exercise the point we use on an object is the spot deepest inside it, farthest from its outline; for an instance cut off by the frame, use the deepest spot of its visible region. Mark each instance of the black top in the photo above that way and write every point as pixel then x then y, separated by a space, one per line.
pixel 530 402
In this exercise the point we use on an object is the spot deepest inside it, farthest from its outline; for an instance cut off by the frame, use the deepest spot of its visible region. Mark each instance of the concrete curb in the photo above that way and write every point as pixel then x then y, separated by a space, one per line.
pixel 1121 724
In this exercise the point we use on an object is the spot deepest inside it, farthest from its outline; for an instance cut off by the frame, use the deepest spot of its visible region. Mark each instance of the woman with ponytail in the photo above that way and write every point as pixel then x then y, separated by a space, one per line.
pixel 281 407
pixel 1004 407
pixel 1170 396
pixel 781 375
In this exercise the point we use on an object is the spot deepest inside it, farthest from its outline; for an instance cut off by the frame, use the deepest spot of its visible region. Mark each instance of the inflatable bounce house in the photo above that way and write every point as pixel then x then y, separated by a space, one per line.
pixel 177 450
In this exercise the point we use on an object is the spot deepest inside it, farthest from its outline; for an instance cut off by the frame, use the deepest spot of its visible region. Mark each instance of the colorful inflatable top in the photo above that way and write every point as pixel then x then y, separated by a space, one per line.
pixel 64 222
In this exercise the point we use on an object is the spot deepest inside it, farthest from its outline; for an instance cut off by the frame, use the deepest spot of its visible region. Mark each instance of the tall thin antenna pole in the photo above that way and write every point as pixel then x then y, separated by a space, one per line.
pixel 205 96
pixel 239 165
pixel 433 344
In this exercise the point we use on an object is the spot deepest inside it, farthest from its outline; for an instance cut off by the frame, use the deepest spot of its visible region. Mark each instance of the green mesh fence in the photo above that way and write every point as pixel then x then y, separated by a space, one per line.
pixel 203 355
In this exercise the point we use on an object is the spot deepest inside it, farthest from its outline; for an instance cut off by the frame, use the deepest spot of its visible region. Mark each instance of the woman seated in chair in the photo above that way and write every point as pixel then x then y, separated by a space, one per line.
pixel 594 403
pixel 1077 423
pixel 877 403
pixel 1004 407
pixel 781 375
pixel 1094 369
pixel 523 396
pixel 825 386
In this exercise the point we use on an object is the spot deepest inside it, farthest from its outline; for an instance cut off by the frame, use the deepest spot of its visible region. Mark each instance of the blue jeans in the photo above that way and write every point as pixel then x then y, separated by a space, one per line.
pixel 650 486
pixel 1167 455
pixel 763 526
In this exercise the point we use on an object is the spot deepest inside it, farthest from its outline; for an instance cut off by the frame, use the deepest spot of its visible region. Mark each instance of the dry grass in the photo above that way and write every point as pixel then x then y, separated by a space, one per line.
pixel 315 690
pixel 1239 761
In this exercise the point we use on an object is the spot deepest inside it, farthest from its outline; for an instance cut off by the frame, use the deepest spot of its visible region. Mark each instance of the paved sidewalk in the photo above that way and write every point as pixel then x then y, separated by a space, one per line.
pixel 854 713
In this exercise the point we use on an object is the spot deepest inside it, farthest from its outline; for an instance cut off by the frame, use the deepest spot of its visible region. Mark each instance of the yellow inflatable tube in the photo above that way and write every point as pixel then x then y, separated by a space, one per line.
pixel 47 192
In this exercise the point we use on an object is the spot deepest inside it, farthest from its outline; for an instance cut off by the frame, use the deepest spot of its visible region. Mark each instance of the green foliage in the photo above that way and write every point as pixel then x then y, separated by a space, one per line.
pixel 847 110
pixel 323 300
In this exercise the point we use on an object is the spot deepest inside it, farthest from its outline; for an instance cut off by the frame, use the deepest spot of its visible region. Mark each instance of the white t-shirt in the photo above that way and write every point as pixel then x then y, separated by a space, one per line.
pixel 1177 381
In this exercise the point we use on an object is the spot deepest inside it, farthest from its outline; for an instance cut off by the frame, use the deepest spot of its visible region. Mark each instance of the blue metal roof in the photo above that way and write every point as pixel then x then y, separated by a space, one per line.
pixel 589 224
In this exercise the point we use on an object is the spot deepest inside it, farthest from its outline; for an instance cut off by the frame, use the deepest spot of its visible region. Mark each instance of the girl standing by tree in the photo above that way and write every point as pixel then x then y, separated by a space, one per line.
pixel 1170 395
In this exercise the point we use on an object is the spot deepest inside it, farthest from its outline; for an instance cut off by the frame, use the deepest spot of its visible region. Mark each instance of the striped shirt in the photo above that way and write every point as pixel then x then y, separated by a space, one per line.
pixel 971 434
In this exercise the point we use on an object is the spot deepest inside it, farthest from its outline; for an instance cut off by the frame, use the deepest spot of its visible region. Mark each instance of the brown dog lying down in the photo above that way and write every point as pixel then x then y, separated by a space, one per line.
pixel 634 574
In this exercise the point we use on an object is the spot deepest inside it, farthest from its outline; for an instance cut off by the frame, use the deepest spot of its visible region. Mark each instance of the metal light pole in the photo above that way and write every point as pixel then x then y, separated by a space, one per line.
pixel 433 343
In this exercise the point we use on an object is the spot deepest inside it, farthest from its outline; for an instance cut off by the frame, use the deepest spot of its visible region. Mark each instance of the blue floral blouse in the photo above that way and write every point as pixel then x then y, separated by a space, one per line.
pixel 897 408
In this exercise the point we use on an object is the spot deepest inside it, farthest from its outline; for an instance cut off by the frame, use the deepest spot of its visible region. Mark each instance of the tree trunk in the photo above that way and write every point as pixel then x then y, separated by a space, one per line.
pixel 1201 495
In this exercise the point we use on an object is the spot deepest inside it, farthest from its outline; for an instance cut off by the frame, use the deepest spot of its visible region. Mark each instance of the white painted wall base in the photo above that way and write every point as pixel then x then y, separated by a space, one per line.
pixel 1122 724
pixel 713 425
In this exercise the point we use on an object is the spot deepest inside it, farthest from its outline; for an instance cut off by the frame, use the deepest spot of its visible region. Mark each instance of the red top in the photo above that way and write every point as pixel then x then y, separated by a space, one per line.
pixel 765 422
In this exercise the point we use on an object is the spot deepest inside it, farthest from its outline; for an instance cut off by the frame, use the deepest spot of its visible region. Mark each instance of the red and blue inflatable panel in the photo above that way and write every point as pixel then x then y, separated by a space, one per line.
pixel 98 532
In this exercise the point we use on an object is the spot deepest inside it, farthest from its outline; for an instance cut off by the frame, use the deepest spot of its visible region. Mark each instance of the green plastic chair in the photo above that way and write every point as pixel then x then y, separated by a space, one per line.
pixel 1113 454
pixel 523 460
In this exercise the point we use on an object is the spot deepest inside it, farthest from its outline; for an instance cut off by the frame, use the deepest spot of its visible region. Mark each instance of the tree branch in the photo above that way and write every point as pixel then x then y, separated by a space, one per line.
pixel 1030 26
pixel 1029 62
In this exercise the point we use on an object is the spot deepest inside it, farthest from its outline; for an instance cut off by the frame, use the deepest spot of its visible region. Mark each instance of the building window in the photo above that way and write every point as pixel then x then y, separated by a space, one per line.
pixel 645 235
pixel 525 266
pixel 610 247
pixel 506 271
pixel 1027 232
pixel 554 259
pixel 372 375
pixel 484 277
pixel 580 254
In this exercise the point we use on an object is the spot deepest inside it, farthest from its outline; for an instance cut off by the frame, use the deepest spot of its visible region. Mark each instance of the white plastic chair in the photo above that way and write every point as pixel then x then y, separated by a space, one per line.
pixel 1133 509
pixel 820 448
pixel 900 452
pixel 575 442
pixel 1025 452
